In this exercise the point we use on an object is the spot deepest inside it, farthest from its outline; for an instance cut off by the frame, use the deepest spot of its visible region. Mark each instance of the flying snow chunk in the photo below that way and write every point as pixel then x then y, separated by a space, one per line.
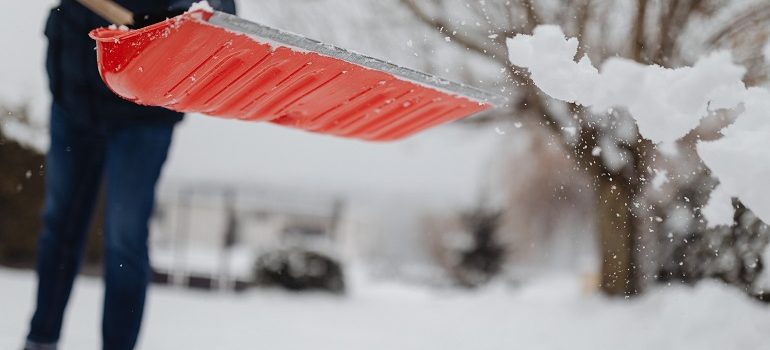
pixel 549 56
pixel 666 103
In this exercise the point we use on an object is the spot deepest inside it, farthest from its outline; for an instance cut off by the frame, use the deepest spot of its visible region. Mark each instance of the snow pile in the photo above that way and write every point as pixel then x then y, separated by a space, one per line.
pixel 551 313
pixel 667 104
pixel 201 5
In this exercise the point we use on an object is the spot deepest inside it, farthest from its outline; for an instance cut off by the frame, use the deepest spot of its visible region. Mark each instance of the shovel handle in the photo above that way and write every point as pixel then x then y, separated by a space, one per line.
pixel 109 10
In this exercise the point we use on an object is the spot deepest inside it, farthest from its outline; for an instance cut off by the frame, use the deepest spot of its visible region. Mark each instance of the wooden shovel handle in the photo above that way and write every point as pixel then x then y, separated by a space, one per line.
pixel 111 11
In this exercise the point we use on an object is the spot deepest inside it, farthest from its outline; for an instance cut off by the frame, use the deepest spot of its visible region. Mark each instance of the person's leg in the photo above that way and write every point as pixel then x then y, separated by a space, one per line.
pixel 74 166
pixel 135 156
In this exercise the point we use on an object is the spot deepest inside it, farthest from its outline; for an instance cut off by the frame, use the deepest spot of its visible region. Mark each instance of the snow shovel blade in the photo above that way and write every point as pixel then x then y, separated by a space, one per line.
pixel 221 65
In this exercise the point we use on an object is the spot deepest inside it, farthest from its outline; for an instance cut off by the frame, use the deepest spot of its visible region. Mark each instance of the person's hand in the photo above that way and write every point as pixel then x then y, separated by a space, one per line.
pixel 144 19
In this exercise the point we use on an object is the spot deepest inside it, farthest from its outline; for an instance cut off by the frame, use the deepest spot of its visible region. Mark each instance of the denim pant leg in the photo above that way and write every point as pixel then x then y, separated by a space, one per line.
pixel 74 166
pixel 135 156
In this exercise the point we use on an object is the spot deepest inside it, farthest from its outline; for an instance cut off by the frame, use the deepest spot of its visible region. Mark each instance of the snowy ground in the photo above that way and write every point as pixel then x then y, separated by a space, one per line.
pixel 550 314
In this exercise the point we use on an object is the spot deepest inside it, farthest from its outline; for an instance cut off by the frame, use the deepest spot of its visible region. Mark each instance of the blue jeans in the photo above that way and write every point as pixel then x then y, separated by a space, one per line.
pixel 129 160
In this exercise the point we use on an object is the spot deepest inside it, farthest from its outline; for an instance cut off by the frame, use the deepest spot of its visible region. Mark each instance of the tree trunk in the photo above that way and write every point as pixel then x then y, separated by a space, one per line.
pixel 617 229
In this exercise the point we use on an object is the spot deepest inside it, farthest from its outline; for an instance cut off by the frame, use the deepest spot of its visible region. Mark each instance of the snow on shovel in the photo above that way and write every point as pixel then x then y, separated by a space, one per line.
pixel 221 65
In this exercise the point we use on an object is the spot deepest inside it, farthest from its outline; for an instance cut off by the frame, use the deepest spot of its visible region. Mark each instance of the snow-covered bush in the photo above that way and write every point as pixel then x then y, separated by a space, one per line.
pixel 300 270
pixel 467 245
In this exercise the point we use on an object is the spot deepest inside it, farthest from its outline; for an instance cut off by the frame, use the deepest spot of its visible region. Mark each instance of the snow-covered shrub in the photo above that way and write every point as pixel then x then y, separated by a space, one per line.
pixel 300 269
pixel 731 253
pixel 467 246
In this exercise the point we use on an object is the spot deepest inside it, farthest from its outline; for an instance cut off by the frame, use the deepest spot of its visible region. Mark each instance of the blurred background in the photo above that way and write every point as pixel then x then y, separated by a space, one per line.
pixel 539 224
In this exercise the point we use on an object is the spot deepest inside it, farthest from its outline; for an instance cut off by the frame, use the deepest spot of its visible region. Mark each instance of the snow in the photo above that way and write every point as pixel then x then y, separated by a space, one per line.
pixel 666 104
pixel 201 5
pixel 551 313
pixel 554 312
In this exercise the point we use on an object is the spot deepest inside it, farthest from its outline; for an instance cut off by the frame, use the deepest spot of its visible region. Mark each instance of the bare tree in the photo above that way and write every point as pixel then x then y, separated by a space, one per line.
pixel 607 148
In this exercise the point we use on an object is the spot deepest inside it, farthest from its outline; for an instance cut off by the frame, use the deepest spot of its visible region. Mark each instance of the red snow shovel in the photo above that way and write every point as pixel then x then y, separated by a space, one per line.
pixel 221 65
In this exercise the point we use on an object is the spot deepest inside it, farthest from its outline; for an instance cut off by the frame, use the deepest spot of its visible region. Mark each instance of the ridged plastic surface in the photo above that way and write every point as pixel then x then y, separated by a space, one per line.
pixel 189 65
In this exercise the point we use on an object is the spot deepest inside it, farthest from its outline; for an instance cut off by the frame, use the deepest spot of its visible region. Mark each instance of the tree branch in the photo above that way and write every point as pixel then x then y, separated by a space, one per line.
pixel 465 41
pixel 639 25
pixel 751 17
